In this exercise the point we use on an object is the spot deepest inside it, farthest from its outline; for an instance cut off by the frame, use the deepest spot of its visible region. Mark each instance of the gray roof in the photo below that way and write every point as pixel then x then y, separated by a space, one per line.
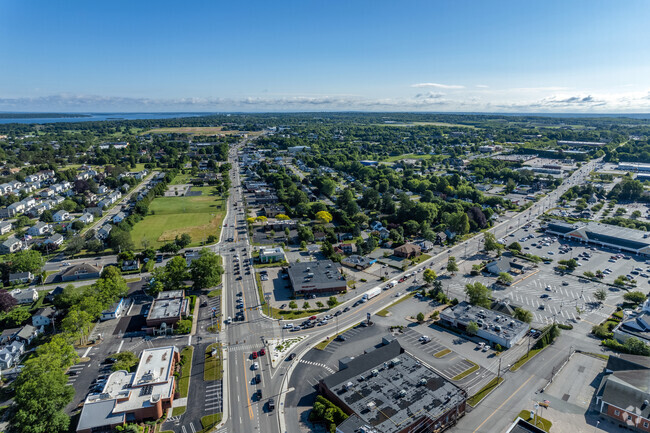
pixel 623 361
pixel 630 239
pixel 395 392
pixel 99 414
pixel 26 332
pixel 318 274
pixel 628 390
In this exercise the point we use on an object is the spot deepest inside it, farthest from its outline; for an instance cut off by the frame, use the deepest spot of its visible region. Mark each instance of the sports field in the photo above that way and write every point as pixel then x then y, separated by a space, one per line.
pixel 199 216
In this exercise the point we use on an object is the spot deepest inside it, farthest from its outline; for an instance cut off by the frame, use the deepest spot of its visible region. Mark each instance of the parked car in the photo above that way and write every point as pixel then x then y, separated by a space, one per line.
pixel 254 355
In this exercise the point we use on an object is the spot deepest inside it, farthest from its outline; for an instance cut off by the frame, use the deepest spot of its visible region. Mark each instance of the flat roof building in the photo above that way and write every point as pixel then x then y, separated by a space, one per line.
pixel 389 391
pixel 322 276
pixel 168 308
pixel 603 235
pixel 133 397
pixel 494 327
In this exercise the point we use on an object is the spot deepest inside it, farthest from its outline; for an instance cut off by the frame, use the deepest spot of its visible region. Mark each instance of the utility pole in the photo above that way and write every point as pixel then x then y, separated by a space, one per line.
pixel 499 371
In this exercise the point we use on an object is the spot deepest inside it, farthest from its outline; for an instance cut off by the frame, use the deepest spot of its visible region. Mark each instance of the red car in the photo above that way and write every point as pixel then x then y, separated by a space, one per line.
pixel 254 355
pixel 262 352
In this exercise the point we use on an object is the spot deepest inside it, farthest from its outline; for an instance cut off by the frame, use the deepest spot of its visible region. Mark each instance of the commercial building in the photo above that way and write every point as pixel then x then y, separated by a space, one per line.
pixel 81 272
pixel 270 255
pixel 623 394
pixel 166 310
pixel 492 326
pixel 358 262
pixel 503 264
pixel 322 276
pixel 407 251
pixel 115 311
pixel 387 390
pixel 633 166
pixel 603 235
pixel 133 397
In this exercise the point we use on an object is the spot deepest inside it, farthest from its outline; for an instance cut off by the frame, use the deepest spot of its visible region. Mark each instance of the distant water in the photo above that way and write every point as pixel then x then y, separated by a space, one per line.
pixel 96 117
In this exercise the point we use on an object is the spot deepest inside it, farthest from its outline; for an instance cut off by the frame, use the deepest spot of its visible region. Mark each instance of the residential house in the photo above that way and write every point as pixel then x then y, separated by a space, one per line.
pixel 27 333
pixel 39 229
pixel 103 232
pixel 5 227
pixel 86 218
pixel 24 296
pixel 56 239
pixel 376 226
pixel 42 317
pixel 425 246
pixel 119 217
pixel 273 210
pixel 11 245
pixel 10 354
pixel 131 265
pixel 102 189
pixel 61 216
pixel 12 210
pixel 407 251
pixel 21 277
pixel 115 311
pixel 441 238
pixel 82 271
pixel 53 294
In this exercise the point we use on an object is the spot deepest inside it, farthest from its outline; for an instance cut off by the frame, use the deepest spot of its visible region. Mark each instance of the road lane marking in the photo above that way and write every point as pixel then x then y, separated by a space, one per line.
pixel 501 405
pixel 248 397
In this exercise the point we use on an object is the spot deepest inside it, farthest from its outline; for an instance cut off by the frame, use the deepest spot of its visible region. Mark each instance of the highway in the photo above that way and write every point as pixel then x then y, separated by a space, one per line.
pixel 243 410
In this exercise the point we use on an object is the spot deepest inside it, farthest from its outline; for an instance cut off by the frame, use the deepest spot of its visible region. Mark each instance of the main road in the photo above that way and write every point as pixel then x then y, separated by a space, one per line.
pixel 245 401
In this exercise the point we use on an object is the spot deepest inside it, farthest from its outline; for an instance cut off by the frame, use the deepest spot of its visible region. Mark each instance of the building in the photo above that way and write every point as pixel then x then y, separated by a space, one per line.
pixel 523 426
pixel 407 251
pixel 492 327
pixel 322 276
pixel 603 235
pixel 11 245
pixel 115 311
pixel 56 239
pixel 273 210
pixel 271 255
pixel 39 229
pixel 5 227
pixel 166 310
pixel 635 325
pixel 191 255
pixel 119 217
pixel 86 218
pixel 581 143
pixel 623 393
pixel 131 265
pixel 21 277
pixel 389 391
pixel 357 262
pixel 82 271
pixel 10 354
pixel 24 296
pixel 61 216
pixel 503 264
pixel 133 397
pixel 57 291
pixel 42 317
pixel 103 232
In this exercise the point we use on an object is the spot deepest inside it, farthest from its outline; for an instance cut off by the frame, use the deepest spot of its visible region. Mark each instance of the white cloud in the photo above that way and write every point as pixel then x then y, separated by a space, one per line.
pixel 482 86
pixel 438 85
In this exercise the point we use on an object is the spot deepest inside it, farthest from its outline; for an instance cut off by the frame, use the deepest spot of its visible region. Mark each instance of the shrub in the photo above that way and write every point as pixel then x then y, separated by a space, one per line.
pixel 183 327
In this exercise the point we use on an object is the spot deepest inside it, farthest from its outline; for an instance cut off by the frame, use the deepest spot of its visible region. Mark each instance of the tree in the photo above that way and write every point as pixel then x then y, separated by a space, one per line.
pixel 75 245
pixel 332 301
pixel 124 361
pixel 478 294
pixel 324 217
pixel 429 276
pixel 183 240
pixel 306 306
pixel 523 315
pixel 7 302
pixel 570 264
pixel 206 270
pixel 293 305
pixel 634 297
pixel 472 328
pixel 173 275
pixel 635 346
pixel 515 246
pixel 16 317
pixel 420 317
pixel 282 217
pixel 120 240
pixel 451 265
pixel 490 243
pixel 600 295
pixel 26 261
pixel 505 278
pixel 510 186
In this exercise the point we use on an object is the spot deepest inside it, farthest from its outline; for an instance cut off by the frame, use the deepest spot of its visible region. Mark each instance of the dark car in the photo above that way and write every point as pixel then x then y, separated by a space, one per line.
pixel 258 378
pixel 259 394
pixel 204 303
pixel 271 404
pixel 338 313
pixel 341 338
pixel 283 306
pixel 542 307
pixel 292 356
pixel 346 309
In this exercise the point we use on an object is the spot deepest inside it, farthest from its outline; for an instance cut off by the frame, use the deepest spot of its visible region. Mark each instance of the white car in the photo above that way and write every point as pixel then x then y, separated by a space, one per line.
pixel 255 366
pixel 287 326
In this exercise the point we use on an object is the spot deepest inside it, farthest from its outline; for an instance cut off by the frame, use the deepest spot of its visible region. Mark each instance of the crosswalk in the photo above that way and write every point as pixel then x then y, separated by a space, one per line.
pixel 213 397
pixel 318 364
pixel 243 347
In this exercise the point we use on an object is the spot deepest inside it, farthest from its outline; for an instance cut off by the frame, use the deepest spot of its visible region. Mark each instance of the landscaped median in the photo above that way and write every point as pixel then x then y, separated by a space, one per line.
pixel 524 359
pixel 213 369
pixel 537 420
pixel 483 392
pixel 467 372
pixel 442 353
pixel 184 377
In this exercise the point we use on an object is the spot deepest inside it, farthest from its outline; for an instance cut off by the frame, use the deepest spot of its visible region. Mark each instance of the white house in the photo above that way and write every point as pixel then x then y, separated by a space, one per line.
pixel 86 218
pixel 60 216
pixel 20 277
pixel 39 229
pixel 24 296
pixel 11 245
pixel 55 239
pixel 5 227
pixel 10 355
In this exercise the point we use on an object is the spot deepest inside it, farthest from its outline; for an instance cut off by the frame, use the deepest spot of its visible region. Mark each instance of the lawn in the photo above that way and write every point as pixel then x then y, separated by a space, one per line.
pixel 210 421
pixel 213 367
pixel 483 392
pixel 186 370
pixel 199 216
pixel 181 179
pixel 524 359
pixel 540 422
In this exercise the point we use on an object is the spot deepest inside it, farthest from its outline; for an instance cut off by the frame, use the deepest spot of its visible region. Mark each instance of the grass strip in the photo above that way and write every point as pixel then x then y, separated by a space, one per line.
pixel 467 372
pixel 483 392
pixel 186 370
pixel 524 359
pixel 442 353
pixel 323 344
pixel 213 369
pixel 210 421
pixel 177 411
pixel 538 421
pixel 214 293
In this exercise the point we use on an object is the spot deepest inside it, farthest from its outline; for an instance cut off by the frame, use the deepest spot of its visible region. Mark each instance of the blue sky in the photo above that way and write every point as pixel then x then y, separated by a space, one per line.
pixel 521 56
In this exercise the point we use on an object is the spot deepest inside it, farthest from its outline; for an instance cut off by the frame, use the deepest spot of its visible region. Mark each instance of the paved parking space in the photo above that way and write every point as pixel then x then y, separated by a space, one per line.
pixel 213 397
pixel 74 371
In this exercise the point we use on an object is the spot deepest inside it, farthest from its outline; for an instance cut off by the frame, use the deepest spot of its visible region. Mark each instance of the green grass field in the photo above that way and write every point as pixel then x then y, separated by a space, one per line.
pixel 199 216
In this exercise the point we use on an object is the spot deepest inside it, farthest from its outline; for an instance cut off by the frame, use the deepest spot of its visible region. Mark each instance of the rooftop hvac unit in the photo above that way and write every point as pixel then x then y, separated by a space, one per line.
pixel 374 372
pixel 422 381
pixel 402 393
pixel 371 405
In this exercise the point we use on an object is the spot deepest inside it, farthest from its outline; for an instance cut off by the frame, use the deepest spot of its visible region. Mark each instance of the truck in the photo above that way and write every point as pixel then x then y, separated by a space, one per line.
pixel 371 294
